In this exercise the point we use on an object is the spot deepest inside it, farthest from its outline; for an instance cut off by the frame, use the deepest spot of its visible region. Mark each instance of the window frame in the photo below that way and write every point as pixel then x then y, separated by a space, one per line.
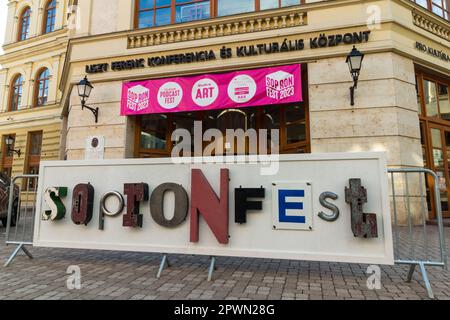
pixel 7 160
pixel 431 4
pixel 21 35
pixel 427 123
pixel 47 9
pixel 213 10
pixel 421 77
pixel 32 160
pixel 37 91
pixel 12 93
pixel 284 147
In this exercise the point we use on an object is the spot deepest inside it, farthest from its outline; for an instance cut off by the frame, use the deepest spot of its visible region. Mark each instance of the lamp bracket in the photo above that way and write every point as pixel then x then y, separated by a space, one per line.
pixel 95 111
pixel 18 151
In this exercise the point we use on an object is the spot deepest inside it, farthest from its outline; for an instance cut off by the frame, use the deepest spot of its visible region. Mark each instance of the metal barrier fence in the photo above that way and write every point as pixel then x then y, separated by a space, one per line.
pixel 415 242
pixel 20 224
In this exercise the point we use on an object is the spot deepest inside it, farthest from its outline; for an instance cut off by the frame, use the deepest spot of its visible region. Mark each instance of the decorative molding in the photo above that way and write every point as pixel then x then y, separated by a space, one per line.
pixel 424 22
pixel 213 29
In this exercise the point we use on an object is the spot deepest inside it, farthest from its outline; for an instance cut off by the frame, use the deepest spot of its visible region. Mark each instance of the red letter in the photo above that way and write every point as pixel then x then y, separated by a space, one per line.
pixel 83 203
pixel 135 194
pixel 213 209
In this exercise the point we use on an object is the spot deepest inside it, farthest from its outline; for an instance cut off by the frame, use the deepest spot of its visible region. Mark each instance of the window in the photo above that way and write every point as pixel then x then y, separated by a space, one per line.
pixel 434 116
pixel 24 24
pixel 33 157
pixel 188 10
pixel 226 8
pixel 272 4
pixel 154 132
pixel 7 156
pixel 433 96
pixel 153 135
pixel 152 13
pixel 439 7
pixel 41 88
pixel 49 17
pixel 16 93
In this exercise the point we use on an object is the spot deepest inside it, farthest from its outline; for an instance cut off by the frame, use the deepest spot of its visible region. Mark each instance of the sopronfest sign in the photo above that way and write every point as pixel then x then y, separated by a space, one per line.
pixel 329 207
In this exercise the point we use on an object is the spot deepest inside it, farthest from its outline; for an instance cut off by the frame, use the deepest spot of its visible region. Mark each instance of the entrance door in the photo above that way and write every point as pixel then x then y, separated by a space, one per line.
pixel 237 119
pixel 440 162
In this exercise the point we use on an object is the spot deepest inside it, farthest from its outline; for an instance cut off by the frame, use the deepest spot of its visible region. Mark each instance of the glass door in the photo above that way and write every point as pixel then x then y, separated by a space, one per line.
pixel 234 119
pixel 440 162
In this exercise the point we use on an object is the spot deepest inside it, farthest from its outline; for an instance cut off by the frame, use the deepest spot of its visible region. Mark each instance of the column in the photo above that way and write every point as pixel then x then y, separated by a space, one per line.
pixel 53 88
pixel 12 23
pixel 4 89
pixel 34 19
pixel 28 86
pixel 126 15
pixel 60 13
pixel 384 117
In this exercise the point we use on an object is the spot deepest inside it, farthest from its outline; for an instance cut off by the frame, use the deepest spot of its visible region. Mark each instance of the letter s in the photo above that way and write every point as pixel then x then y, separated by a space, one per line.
pixel 335 210
pixel 52 198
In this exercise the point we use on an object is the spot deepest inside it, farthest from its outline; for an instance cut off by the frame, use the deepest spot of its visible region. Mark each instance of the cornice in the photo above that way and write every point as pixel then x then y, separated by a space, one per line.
pixel 427 20
pixel 58 46
pixel 33 41
pixel 431 25
pixel 219 20
pixel 218 28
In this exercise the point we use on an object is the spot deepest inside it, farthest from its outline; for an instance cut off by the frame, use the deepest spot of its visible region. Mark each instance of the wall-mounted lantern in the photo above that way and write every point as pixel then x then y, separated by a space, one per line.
pixel 84 91
pixel 9 140
pixel 354 61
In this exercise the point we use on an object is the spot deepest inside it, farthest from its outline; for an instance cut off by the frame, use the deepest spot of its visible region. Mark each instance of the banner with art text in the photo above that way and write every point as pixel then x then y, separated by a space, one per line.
pixel 238 89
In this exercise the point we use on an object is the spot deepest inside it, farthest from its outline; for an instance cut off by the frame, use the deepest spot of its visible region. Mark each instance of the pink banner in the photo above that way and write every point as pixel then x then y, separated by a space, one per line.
pixel 239 89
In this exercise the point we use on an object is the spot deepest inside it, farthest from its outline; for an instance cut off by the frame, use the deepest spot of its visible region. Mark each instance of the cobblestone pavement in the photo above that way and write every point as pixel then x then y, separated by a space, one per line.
pixel 119 275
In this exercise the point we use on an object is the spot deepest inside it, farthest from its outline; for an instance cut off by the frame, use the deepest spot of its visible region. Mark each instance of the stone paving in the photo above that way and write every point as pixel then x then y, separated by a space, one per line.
pixel 119 276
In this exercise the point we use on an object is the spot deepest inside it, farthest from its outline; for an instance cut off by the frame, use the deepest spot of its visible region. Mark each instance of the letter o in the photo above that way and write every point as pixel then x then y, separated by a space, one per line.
pixel 119 197
pixel 181 205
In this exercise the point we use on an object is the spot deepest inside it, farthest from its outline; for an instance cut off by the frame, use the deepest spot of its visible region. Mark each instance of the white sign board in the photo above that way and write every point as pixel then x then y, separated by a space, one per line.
pixel 95 148
pixel 287 226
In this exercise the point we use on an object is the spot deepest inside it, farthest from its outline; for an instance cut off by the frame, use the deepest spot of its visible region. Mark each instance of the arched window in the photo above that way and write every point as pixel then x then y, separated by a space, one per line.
pixel 41 88
pixel 49 17
pixel 16 93
pixel 24 24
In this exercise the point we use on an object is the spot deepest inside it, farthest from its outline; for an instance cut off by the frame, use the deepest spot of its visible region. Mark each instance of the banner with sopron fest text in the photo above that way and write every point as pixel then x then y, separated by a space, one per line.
pixel 238 89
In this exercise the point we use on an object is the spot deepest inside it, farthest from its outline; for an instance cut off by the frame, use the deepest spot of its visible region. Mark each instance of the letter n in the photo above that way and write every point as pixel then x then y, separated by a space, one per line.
pixel 206 203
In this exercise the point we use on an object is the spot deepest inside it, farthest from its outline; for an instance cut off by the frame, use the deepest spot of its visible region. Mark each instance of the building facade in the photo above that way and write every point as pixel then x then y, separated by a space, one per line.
pixel 30 100
pixel 401 102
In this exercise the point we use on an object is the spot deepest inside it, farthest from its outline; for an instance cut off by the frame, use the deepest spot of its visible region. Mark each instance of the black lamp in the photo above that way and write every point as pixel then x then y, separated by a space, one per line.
pixel 354 61
pixel 84 91
pixel 9 140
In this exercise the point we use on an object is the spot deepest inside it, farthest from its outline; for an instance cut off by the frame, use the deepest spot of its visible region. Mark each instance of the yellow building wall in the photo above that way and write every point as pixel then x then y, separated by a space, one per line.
pixel 50 144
